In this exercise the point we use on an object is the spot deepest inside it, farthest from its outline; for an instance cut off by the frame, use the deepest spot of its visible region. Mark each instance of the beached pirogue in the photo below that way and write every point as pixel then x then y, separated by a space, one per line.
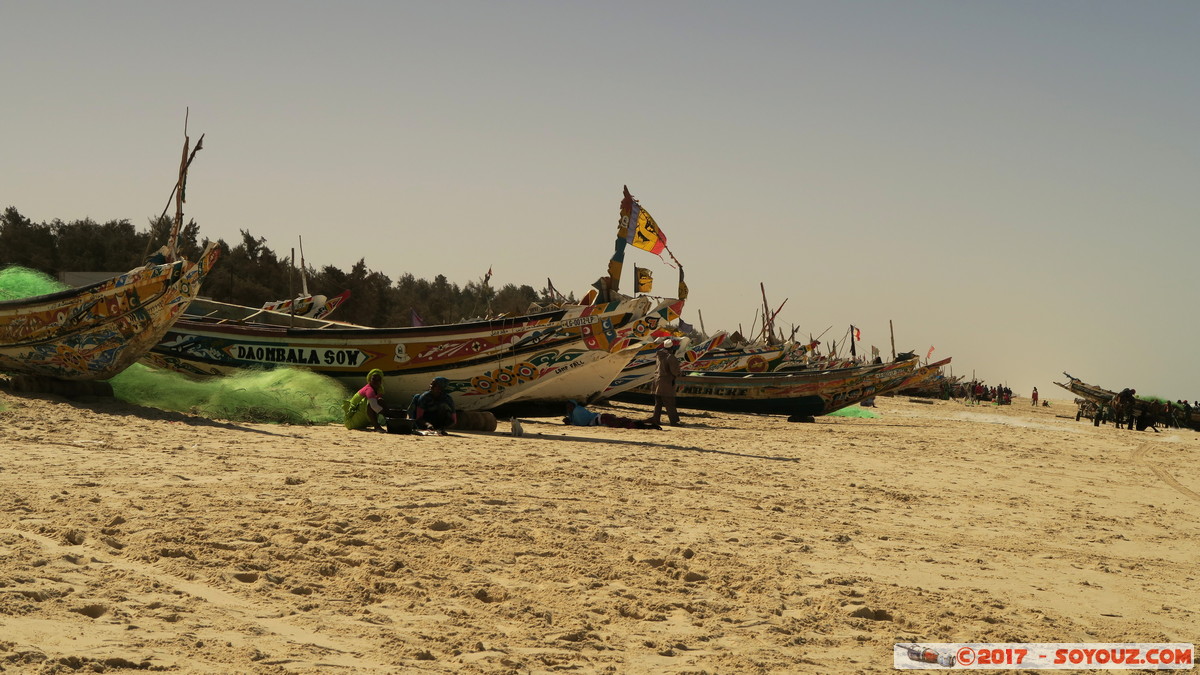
pixel 550 356
pixel 64 341
pixel 798 393
pixel 95 332
pixel 574 351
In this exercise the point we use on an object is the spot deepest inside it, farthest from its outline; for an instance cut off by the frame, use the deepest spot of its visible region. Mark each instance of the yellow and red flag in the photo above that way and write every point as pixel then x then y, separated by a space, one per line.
pixel 640 229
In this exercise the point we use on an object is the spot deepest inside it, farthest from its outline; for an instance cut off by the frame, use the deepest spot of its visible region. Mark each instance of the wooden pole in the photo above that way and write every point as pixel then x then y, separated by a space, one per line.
pixel 303 272
pixel 701 315
pixel 766 328
pixel 893 332
pixel 291 292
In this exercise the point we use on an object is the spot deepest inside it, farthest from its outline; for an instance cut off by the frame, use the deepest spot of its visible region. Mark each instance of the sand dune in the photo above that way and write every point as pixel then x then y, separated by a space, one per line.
pixel 736 544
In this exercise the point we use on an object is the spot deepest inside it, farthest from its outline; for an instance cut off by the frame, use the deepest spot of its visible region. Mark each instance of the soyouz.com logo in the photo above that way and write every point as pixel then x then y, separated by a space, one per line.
pixel 1043 655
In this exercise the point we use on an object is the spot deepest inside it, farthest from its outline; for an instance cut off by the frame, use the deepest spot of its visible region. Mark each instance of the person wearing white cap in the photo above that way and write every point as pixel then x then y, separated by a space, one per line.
pixel 666 377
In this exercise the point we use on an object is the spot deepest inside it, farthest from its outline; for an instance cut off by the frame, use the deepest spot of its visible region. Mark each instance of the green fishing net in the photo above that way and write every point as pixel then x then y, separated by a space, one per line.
pixel 284 395
pixel 22 282
pixel 854 411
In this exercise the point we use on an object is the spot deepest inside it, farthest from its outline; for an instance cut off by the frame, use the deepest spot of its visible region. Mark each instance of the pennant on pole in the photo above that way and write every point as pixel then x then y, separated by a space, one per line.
pixel 929 353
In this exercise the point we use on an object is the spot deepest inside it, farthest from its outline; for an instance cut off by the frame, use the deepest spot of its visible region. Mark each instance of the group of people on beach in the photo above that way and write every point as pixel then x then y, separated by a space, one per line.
pixel 977 392
pixel 433 409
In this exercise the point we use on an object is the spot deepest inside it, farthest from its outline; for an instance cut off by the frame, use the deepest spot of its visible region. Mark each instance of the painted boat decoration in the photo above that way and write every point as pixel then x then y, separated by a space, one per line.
pixel 314 306
pixel 758 358
pixel 584 379
pixel 921 377
pixel 795 393
pixel 96 331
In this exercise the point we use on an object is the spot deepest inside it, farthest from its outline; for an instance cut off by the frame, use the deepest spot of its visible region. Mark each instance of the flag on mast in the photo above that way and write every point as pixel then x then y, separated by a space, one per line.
pixel 644 279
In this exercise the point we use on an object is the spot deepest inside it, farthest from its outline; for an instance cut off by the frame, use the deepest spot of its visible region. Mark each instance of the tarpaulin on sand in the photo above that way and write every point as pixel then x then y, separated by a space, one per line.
pixel 854 411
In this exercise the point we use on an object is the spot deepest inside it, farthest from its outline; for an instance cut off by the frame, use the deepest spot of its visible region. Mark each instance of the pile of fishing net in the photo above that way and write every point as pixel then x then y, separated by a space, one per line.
pixel 22 282
pixel 283 395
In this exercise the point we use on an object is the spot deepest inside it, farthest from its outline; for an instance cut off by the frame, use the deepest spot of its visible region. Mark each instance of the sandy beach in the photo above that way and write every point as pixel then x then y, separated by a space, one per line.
pixel 134 538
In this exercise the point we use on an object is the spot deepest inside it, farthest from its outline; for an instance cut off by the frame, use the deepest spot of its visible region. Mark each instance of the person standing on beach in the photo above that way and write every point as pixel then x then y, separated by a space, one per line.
pixel 433 408
pixel 666 376
pixel 1034 396
pixel 365 407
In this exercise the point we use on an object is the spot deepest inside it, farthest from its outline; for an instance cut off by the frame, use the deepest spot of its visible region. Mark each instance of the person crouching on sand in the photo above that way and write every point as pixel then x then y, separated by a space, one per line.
pixel 433 409
pixel 365 407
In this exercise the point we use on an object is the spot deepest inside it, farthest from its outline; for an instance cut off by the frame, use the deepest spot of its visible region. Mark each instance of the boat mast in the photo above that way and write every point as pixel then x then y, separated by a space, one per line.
pixel 177 193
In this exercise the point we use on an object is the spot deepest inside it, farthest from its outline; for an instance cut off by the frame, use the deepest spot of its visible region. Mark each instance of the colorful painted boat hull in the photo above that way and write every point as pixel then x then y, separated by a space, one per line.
pixel 95 332
pixel 583 380
pixel 752 359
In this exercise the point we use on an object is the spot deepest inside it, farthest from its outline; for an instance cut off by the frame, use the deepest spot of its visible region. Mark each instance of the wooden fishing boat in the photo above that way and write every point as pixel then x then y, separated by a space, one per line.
pixel 925 380
pixel 488 362
pixel 583 379
pixel 756 358
pixel 315 306
pixel 803 393
pixel 95 332
pixel 570 351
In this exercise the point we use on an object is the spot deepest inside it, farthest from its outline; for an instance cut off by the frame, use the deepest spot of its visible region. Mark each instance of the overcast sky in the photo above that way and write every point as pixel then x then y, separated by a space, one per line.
pixel 1012 183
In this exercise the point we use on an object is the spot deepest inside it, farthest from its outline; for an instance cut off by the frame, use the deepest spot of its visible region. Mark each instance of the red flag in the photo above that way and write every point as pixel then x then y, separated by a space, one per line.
pixel 857 334
pixel 930 353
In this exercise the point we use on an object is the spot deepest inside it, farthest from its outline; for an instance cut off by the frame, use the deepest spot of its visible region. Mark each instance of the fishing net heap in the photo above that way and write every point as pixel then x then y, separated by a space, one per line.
pixel 22 282
pixel 283 395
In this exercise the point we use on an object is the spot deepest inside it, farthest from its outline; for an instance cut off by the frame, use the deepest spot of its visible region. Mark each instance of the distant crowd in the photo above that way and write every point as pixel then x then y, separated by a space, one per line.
pixel 979 392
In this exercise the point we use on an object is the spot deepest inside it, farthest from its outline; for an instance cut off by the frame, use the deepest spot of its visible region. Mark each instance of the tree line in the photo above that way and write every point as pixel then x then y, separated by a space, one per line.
pixel 250 273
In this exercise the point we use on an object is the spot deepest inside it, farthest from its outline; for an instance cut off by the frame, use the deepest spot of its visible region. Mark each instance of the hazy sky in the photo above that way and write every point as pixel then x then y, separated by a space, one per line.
pixel 1012 182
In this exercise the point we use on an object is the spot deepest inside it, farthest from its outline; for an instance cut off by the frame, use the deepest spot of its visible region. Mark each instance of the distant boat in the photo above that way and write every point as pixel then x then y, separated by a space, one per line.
pixel 1145 412
pixel 756 358
pixel 801 393
pixel 925 380
pixel 313 306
